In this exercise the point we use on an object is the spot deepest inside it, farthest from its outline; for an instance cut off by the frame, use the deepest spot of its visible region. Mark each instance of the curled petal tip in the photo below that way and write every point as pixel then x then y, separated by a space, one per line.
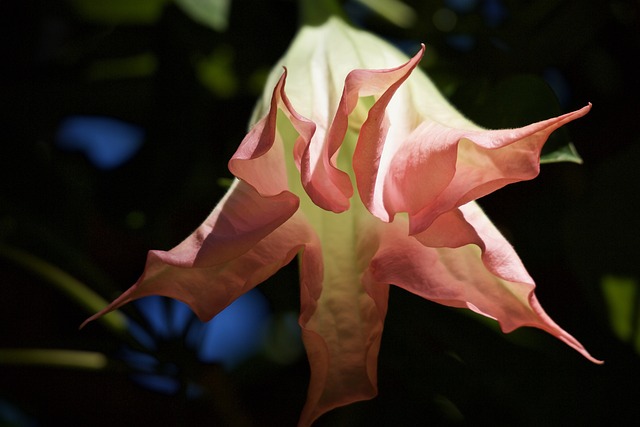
pixel 581 112
pixel 584 110
pixel 83 324
pixel 590 358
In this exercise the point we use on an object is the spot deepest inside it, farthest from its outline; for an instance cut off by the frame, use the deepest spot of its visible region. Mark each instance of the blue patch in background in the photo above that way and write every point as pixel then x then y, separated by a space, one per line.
pixel 107 142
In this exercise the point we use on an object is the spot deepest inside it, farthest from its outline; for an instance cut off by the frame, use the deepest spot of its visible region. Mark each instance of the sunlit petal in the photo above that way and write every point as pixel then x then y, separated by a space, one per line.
pixel 356 163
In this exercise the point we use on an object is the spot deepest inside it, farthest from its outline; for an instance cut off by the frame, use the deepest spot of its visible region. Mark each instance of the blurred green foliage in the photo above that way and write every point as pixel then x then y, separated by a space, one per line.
pixel 188 73
pixel 621 295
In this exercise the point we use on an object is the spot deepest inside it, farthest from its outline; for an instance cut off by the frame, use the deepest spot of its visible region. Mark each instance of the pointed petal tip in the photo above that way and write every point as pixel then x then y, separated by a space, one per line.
pixel 586 354
pixel 548 325
pixel 584 110
pixel 572 342
pixel 96 316
pixel 86 322
pixel 580 112
pixel 576 345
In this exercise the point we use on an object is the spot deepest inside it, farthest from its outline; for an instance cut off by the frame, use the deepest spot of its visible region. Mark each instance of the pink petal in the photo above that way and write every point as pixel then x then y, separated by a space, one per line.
pixel 259 160
pixel 237 223
pixel 436 168
pixel 342 318
pixel 486 161
pixel 329 187
pixel 246 239
pixel 485 275
pixel 372 137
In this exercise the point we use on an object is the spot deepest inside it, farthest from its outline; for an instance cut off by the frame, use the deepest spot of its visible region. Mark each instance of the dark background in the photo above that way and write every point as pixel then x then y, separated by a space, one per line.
pixel 575 226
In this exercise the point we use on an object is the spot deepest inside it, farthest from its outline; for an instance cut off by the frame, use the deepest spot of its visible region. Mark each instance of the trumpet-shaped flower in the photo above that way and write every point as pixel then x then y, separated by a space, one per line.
pixel 359 166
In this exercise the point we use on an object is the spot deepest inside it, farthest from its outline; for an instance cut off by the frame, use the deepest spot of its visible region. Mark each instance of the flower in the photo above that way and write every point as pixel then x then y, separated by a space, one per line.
pixel 356 163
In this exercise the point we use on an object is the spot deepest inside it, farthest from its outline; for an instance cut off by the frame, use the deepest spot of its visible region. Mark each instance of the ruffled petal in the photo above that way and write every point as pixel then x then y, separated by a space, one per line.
pixel 486 161
pixel 426 168
pixel 485 275
pixel 342 317
pixel 329 187
pixel 373 132
pixel 259 160
pixel 245 240
pixel 236 224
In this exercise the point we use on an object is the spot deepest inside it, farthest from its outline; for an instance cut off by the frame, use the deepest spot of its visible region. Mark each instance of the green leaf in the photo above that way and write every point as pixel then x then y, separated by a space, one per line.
pixel 567 153
pixel 141 65
pixel 216 72
pixel 514 102
pixel 119 11
pixel 394 11
pixel 212 13
pixel 67 284
pixel 623 302
pixel 316 12
pixel 55 358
